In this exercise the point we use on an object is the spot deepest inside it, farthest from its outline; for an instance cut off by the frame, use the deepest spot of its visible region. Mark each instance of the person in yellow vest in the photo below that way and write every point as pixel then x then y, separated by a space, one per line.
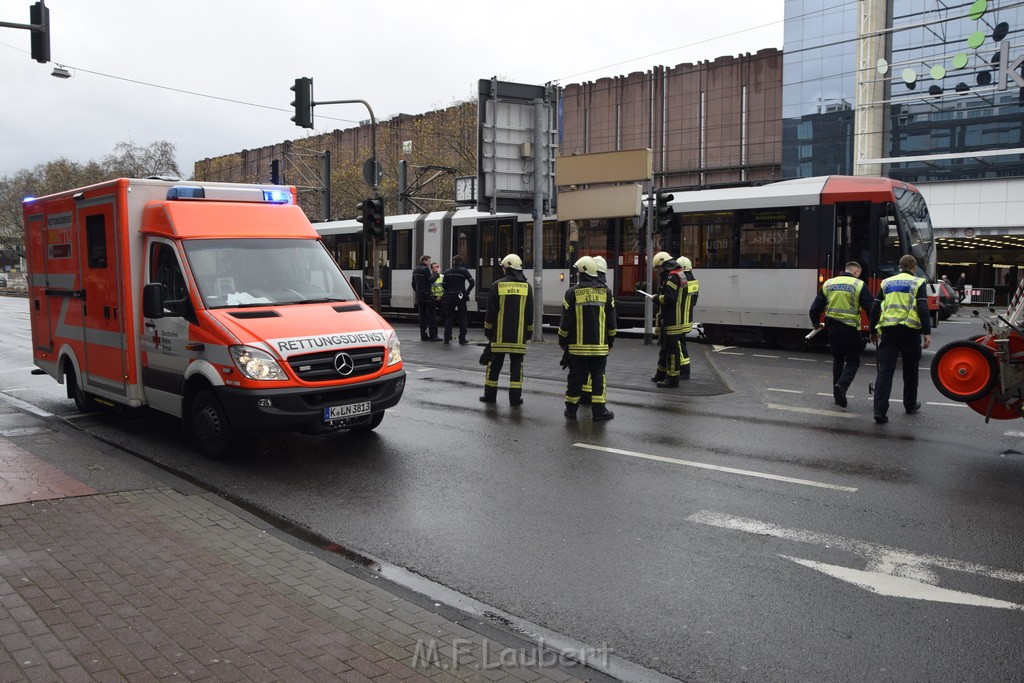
pixel 842 298
pixel 602 277
pixel 508 324
pixel 587 333
pixel 437 290
pixel 901 326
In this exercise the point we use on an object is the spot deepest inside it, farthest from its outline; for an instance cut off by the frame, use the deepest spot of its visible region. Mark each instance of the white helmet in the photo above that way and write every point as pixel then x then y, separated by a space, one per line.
pixel 586 265
pixel 602 265
pixel 684 263
pixel 512 261
pixel 660 258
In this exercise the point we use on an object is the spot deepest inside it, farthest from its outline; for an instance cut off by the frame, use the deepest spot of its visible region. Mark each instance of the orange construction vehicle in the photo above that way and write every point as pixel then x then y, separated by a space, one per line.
pixel 213 302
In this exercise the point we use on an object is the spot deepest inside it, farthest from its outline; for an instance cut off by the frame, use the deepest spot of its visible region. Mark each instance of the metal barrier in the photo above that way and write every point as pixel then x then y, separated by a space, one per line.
pixel 981 296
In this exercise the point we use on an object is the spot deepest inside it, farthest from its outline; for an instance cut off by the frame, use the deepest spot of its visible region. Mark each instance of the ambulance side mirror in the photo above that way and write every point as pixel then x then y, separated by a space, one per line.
pixel 357 285
pixel 153 300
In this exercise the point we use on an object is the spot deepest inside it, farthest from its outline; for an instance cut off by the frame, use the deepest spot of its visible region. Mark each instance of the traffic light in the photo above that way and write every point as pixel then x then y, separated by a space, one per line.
pixel 39 15
pixel 372 217
pixel 662 211
pixel 303 102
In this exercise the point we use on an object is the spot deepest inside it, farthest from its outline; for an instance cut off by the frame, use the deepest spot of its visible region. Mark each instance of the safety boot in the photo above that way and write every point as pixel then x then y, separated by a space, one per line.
pixel 570 410
pixel 515 397
pixel 601 412
pixel 659 376
pixel 490 395
pixel 669 383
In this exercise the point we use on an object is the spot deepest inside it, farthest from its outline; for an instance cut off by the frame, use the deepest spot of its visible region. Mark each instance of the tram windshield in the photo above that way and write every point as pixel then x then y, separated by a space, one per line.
pixel 916 228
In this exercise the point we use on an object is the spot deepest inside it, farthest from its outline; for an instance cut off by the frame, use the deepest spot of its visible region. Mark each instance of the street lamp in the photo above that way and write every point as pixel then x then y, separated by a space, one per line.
pixel 60 72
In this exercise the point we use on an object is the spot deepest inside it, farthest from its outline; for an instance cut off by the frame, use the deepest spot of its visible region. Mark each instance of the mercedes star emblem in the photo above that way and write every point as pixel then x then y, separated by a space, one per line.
pixel 344 364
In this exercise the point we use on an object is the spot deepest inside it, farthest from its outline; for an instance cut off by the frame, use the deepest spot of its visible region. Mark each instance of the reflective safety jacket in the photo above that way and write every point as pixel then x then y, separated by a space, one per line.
pixel 901 301
pixel 509 318
pixel 437 286
pixel 674 304
pixel 692 289
pixel 842 294
pixel 587 327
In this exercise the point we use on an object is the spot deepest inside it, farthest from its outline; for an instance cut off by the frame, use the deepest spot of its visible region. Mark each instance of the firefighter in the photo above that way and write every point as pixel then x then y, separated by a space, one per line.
pixel 424 306
pixel 456 295
pixel 900 317
pixel 842 298
pixel 507 324
pixel 602 277
pixel 587 333
pixel 673 302
pixel 692 289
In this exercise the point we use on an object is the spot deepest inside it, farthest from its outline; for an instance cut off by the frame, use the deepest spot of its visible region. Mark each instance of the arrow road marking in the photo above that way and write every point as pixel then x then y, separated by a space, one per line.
pixel 890 571
pixel 705 466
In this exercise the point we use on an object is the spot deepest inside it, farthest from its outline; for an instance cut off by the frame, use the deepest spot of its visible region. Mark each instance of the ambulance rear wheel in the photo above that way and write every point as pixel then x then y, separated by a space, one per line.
pixel 208 423
pixel 371 425
pixel 83 400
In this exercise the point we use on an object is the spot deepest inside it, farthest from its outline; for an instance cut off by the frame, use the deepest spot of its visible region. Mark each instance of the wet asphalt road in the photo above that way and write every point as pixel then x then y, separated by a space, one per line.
pixel 698 573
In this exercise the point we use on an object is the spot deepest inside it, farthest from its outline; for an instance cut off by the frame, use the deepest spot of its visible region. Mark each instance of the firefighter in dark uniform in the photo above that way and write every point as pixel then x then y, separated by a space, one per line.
pixel 673 301
pixel 424 305
pixel 587 333
pixel 456 294
pixel 899 315
pixel 656 263
pixel 692 289
pixel 507 325
pixel 842 298
pixel 602 277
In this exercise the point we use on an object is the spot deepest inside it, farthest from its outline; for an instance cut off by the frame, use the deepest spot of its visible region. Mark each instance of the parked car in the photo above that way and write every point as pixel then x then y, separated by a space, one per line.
pixel 949 302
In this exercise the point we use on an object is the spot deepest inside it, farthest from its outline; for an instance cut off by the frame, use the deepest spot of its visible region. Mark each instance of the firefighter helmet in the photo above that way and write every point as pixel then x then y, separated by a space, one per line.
pixel 660 258
pixel 684 263
pixel 602 265
pixel 586 265
pixel 512 261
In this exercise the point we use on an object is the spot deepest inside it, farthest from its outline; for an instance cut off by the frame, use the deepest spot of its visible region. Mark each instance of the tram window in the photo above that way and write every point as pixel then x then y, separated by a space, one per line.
pixel 347 250
pixel 552 245
pixel 707 239
pixel 768 239
pixel 593 238
pixel 402 240
pixel 889 251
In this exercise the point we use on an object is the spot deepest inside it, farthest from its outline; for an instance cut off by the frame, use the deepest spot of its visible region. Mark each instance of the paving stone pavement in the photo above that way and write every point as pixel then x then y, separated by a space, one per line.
pixel 166 584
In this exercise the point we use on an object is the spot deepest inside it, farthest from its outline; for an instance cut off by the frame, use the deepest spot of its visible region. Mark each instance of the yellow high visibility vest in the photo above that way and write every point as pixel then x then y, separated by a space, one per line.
pixel 899 301
pixel 843 295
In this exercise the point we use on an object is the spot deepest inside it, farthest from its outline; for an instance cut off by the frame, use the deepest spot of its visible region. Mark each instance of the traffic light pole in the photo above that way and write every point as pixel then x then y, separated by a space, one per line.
pixel 376 190
pixel 649 269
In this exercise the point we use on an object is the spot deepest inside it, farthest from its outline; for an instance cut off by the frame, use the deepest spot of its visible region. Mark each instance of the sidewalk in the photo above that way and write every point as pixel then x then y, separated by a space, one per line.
pixel 113 570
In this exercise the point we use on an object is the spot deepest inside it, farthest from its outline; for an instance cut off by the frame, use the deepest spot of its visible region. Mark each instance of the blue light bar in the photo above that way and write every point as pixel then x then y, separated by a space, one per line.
pixel 28 199
pixel 186 192
pixel 277 196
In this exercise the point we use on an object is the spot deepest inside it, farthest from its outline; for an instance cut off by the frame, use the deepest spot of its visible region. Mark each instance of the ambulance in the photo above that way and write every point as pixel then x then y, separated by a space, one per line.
pixel 214 302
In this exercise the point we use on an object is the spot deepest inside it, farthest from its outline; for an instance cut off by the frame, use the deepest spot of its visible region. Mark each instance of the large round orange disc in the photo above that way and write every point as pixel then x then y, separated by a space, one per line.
pixel 964 370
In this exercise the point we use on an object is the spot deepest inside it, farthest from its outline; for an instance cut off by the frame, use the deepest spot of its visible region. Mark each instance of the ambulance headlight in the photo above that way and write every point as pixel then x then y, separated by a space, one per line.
pixel 256 364
pixel 394 350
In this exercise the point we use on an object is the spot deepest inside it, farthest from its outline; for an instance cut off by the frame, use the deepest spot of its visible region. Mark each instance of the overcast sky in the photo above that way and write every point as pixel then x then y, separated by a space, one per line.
pixel 401 57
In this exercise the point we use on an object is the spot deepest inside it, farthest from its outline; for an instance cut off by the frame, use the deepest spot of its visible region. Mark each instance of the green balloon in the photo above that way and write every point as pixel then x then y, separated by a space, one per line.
pixel 977 10
pixel 938 72
pixel 975 39
pixel 960 60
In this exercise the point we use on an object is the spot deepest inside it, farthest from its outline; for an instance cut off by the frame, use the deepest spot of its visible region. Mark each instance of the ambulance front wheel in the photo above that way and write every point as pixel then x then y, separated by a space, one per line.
pixel 213 435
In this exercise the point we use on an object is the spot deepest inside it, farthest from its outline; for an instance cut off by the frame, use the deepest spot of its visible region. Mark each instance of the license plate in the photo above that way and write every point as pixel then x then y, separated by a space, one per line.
pixel 345 411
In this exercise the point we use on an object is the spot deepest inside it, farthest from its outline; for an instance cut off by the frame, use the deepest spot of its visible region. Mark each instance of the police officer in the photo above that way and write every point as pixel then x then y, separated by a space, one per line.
pixel 842 298
pixel 507 324
pixel 602 277
pixel 900 318
pixel 587 333
pixel 456 294
pixel 692 290
pixel 424 305
pixel 674 307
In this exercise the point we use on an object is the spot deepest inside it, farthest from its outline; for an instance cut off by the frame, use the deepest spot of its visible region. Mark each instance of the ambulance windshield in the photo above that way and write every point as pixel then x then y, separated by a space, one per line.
pixel 260 272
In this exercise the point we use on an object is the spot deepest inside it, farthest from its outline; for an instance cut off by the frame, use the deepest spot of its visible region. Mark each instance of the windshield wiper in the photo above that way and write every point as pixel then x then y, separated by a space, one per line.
pixel 321 300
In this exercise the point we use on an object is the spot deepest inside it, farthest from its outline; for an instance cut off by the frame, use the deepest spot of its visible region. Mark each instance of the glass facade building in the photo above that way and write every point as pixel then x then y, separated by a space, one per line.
pixel 953 109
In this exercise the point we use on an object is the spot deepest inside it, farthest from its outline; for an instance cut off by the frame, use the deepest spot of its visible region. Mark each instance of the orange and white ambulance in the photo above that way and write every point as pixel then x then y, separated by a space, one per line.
pixel 213 302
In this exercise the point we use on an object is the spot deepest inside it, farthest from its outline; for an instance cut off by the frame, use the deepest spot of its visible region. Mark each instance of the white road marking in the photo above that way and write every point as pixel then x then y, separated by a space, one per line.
pixel 27 368
pixel 18 403
pixel 948 405
pixel 958 322
pixel 786 391
pixel 805 360
pixel 890 571
pixel 424 369
pixel 900 587
pixel 762 355
pixel 811 411
pixel 717 347
pixel 1014 433
pixel 731 353
pixel 730 470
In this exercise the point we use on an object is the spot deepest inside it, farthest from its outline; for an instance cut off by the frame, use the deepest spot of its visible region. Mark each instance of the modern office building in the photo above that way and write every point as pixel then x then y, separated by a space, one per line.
pixel 928 91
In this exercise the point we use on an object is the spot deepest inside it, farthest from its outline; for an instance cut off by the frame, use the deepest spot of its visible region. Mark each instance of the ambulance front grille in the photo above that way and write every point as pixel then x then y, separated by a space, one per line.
pixel 321 367
pixel 255 314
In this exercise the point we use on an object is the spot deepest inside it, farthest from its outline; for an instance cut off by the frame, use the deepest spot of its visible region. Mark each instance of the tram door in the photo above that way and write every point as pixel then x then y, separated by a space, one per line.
pixel 853 237
pixel 385 270
pixel 498 237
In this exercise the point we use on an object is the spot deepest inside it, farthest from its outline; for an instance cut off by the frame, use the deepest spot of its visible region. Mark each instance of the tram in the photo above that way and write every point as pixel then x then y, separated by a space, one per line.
pixel 760 252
